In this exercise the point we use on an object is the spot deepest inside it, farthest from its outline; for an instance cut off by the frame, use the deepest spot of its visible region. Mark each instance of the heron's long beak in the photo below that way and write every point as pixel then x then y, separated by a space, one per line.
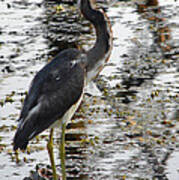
pixel 93 3
pixel 78 3
pixel 78 8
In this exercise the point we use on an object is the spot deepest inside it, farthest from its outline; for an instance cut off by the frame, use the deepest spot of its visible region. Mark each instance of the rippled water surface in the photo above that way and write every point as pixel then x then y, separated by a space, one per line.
pixel 131 131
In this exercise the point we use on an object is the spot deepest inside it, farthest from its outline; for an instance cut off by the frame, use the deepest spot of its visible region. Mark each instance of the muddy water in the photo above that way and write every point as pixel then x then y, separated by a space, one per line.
pixel 132 130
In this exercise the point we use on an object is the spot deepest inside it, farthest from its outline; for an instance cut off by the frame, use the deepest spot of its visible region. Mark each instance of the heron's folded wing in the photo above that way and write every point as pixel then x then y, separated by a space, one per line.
pixel 50 96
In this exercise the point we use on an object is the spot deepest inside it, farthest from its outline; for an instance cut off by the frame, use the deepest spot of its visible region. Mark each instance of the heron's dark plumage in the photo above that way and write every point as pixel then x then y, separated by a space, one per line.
pixel 53 91
pixel 59 85
pixel 99 54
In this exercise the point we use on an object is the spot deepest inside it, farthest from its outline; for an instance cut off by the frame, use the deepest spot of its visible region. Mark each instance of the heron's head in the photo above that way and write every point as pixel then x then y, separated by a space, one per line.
pixel 82 3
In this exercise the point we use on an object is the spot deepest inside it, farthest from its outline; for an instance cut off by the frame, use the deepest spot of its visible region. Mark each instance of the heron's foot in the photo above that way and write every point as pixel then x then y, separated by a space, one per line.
pixel 41 172
pixel 47 173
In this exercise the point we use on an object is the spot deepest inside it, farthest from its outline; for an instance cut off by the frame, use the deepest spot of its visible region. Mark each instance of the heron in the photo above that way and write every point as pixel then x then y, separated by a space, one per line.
pixel 57 89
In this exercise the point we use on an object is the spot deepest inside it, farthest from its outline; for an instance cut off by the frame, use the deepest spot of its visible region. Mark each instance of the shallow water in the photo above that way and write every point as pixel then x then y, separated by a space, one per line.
pixel 132 130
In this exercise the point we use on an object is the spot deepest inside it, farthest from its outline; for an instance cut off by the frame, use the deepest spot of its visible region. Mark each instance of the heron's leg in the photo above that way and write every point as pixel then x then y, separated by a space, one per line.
pixel 51 155
pixel 62 151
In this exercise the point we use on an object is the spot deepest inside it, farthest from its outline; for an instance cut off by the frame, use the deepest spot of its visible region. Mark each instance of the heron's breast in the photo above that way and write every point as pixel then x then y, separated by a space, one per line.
pixel 98 67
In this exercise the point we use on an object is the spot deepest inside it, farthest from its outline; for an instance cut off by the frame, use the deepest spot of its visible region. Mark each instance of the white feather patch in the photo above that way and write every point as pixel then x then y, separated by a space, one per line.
pixel 31 112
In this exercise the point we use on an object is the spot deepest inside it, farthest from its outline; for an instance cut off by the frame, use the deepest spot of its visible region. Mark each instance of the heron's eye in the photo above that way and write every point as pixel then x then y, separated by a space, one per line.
pixel 57 78
pixel 72 64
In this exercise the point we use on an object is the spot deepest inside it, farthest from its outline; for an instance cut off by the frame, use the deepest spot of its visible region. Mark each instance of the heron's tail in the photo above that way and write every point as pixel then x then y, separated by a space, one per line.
pixel 20 140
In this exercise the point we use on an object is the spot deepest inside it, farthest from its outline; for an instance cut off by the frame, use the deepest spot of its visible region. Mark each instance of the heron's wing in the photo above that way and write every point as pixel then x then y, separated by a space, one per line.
pixel 51 94
pixel 52 76
pixel 32 96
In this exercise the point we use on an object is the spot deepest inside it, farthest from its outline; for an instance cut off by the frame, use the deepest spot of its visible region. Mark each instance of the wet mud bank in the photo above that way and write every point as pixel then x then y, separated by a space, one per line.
pixel 129 132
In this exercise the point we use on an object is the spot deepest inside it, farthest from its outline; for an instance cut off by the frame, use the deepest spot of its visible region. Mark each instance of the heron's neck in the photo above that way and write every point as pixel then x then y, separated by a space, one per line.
pixel 103 43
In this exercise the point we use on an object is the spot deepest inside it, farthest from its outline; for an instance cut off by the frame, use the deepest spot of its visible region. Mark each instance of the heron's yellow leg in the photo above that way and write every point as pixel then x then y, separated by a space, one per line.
pixel 62 151
pixel 51 155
